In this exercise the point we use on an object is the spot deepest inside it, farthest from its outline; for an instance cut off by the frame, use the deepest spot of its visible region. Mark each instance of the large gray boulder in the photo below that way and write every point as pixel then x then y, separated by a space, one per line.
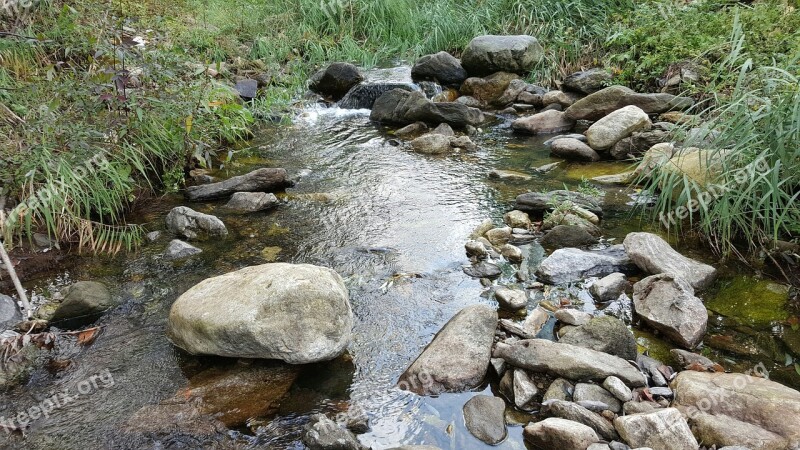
pixel 577 413
pixel 9 313
pixel 364 95
pixel 754 400
pixel 561 434
pixel 458 357
pixel 83 303
pixel 441 67
pixel 186 222
pixel 587 81
pixel 668 304
pixel 484 416
pixel 260 180
pixel 251 201
pixel 295 313
pixel 665 429
pixel 618 125
pixel 567 265
pixel 603 102
pixel 489 54
pixel 605 334
pixel 568 361
pixel 654 255
pixel 399 106
pixel 335 80
pixel 573 150
pixel 545 122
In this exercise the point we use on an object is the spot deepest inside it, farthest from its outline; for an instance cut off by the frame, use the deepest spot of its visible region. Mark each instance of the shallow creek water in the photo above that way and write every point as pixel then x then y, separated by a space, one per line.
pixel 393 223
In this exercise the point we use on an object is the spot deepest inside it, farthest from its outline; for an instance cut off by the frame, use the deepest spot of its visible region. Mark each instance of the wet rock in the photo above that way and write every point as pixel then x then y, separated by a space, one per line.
pixel 9 313
pixel 458 357
pixel 509 175
pixel 668 304
pixel 574 150
pixel 609 287
pixel 483 270
pixel 638 143
pixel 191 224
pixel 335 80
pixel 83 303
pixel 573 316
pixel 512 253
pixel 517 219
pixel 555 433
pixel 511 299
pixel 689 360
pixel 654 256
pixel 560 389
pixel 576 413
pixel 540 202
pixel 174 420
pixel 247 89
pixel 562 236
pixel 432 144
pixel 723 431
pixel 567 361
pixel 488 54
pixel 414 129
pixel 603 102
pixel 618 389
pixel 665 429
pixel 463 143
pixel 179 250
pixel 363 96
pixel 252 201
pixel 757 401
pixel 587 81
pixel 441 67
pixel 403 107
pixel 585 392
pixel 568 265
pixel 484 417
pixel 618 125
pixel 488 91
pixel 260 180
pixel 546 122
pixel 295 313
pixel 322 433
pixel 476 249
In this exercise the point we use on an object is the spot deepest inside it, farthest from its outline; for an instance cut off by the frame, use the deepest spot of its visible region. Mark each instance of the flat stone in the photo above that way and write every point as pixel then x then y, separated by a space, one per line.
pixel 654 255
pixel 595 393
pixel 665 429
pixel 587 81
pixel 568 361
pixel 83 303
pixel 247 89
pixel 569 265
pixel 511 299
pixel 546 122
pixel 458 357
pixel 260 180
pixel 555 433
pixel 483 269
pixel 573 316
pixel 322 433
pixel 484 417
pixel 9 313
pixel 541 202
pixel 603 102
pixel 509 175
pixel 562 236
pixel 252 201
pixel 723 431
pixel 573 150
pixel 576 413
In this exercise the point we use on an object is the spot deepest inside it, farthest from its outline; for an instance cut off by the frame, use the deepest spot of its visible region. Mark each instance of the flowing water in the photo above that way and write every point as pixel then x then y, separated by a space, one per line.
pixel 393 223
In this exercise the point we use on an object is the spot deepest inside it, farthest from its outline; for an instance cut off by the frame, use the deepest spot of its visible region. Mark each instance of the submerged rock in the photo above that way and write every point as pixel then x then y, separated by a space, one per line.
pixel 322 433
pixel 335 80
pixel 485 419
pixel 483 270
pixel 568 265
pixel 488 54
pixel 509 175
pixel 191 224
pixel 541 202
pixel 295 313
pixel 458 357
pixel 568 361
pixel 668 304
pixel 252 201
pixel 179 250
pixel 260 180
pixel 654 255
pixel 441 67
pixel 603 102
pixel 83 303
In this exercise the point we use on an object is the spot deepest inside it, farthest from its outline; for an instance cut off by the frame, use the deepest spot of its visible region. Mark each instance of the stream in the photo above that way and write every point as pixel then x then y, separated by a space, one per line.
pixel 393 223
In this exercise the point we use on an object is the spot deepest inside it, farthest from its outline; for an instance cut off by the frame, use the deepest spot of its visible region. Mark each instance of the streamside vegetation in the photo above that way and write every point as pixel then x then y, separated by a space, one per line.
pixel 146 87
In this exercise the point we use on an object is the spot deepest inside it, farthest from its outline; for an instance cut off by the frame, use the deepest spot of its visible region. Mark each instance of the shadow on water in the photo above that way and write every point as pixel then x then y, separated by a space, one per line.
pixel 393 223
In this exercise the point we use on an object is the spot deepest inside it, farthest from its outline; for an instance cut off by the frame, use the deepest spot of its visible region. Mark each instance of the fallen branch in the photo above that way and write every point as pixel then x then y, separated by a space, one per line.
pixel 13 274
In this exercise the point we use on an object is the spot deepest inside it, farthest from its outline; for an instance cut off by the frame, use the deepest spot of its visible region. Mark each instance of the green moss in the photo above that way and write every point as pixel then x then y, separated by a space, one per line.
pixel 757 303
pixel 655 347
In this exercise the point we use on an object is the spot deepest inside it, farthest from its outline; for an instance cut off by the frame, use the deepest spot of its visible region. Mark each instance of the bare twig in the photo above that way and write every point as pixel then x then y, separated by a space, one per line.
pixel 13 274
